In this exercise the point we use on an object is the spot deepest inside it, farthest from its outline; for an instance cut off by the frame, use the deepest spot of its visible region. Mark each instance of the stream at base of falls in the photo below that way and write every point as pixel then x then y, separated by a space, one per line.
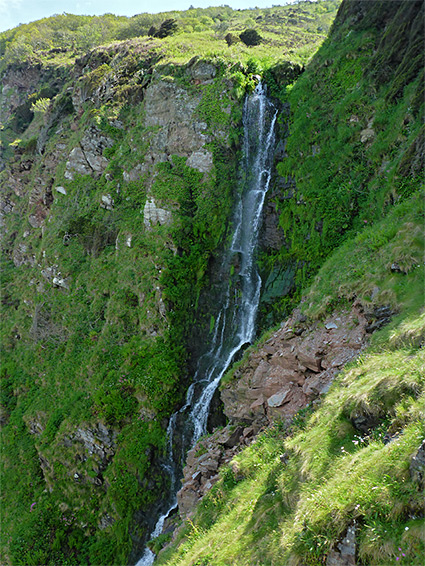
pixel 235 323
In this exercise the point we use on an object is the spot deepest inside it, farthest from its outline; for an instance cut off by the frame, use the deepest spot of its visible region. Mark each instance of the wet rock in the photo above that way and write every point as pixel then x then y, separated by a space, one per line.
pixel 395 268
pixel 284 459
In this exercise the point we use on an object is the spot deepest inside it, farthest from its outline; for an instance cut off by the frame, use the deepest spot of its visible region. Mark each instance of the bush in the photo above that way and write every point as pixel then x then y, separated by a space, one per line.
pixel 251 37
pixel 230 39
pixel 168 27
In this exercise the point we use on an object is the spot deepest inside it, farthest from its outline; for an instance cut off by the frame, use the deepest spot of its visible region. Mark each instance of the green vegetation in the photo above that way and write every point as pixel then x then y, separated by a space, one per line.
pixel 201 31
pixel 272 510
pixel 354 149
pixel 99 311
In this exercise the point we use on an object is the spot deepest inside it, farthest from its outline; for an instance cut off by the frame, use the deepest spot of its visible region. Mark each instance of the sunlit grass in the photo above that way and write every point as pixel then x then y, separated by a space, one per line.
pixel 269 513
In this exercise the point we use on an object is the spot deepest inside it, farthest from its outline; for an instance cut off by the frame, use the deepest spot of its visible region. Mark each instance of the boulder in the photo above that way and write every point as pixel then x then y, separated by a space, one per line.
pixel 311 361
pixel 201 160
pixel 203 71
pixel 278 399
pixel 346 553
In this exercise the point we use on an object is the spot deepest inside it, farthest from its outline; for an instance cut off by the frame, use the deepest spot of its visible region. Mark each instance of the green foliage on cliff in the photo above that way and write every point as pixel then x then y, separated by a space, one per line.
pixel 97 322
pixel 354 149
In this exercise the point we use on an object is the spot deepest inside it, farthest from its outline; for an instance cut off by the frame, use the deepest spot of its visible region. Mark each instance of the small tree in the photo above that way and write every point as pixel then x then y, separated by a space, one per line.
pixel 168 27
pixel 251 37
pixel 231 39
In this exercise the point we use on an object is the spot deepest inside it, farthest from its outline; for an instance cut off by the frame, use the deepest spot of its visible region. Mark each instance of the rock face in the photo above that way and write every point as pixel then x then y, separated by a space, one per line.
pixel 86 454
pixel 417 466
pixel 346 553
pixel 205 459
pixel 153 214
pixel 87 158
pixel 171 108
pixel 296 365
pixel 291 369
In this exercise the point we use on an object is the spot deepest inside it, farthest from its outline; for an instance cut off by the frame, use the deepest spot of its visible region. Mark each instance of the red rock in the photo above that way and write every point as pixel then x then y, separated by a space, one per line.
pixel 260 373
pixel 257 403
pixel 285 360
pixel 311 361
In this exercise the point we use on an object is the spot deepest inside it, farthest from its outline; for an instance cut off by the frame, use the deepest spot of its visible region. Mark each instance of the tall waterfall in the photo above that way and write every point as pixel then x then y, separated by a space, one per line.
pixel 235 323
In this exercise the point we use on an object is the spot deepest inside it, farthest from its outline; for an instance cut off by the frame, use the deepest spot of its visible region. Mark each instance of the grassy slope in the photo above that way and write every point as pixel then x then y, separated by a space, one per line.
pixel 55 40
pixel 355 87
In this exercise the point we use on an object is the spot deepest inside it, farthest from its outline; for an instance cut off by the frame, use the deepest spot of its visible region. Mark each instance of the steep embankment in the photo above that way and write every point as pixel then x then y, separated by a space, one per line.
pixel 118 173
pixel 340 482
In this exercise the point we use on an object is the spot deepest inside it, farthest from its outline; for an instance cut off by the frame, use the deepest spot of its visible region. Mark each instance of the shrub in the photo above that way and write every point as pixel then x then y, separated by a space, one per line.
pixel 251 37
pixel 168 27
pixel 230 39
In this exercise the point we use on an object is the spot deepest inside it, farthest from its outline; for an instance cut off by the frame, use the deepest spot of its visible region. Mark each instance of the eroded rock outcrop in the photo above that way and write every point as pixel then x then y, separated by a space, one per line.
pixel 87 158
pixel 293 367
pixel 345 554
pixel 205 459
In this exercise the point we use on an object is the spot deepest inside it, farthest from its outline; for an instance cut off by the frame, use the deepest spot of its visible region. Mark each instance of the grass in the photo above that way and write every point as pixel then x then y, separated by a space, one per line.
pixel 199 31
pixel 271 513
pixel 361 269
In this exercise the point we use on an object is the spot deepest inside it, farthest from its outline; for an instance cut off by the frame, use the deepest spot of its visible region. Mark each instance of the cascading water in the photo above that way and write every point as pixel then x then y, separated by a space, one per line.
pixel 235 323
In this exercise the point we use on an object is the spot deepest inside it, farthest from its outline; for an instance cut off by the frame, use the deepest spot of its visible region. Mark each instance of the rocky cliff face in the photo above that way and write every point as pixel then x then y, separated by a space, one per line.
pixel 109 189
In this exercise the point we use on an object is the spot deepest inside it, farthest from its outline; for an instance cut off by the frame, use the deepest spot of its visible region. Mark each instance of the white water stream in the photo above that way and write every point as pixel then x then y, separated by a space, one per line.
pixel 235 323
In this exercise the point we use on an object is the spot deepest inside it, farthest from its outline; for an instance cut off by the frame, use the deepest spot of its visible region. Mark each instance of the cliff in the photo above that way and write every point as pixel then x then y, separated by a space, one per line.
pixel 119 170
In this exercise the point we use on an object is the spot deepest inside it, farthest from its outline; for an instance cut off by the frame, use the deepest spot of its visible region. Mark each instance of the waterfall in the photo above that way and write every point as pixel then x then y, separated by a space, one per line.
pixel 235 323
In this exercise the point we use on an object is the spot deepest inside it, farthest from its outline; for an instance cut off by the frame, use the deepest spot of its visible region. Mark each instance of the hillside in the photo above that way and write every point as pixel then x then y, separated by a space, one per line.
pixel 119 169
pixel 340 482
